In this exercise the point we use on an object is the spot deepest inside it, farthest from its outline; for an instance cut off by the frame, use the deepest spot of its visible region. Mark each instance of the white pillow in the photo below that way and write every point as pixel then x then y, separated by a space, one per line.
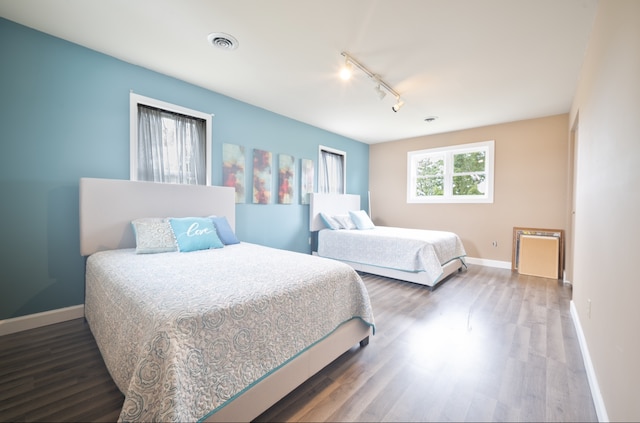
pixel 361 219
pixel 345 221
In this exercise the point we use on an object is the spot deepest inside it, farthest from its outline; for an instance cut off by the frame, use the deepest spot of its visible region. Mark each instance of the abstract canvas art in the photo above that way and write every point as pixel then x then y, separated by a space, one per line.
pixel 286 178
pixel 261 176
pixel 233 169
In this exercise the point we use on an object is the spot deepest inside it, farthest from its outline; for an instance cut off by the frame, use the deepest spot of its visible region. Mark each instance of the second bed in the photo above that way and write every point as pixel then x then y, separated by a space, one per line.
pixel 416 255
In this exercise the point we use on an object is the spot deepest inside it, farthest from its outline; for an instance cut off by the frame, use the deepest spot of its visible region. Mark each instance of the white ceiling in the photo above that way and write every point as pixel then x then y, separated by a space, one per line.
pixel 469 62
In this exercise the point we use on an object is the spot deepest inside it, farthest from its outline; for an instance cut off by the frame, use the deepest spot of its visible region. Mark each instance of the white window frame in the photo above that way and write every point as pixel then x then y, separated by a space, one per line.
pixel 134 101
pixel 321 169
pixel 413 157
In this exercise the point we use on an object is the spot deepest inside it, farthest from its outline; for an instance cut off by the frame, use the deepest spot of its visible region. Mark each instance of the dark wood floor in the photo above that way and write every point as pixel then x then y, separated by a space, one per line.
pixel 486 345
pixel 56 373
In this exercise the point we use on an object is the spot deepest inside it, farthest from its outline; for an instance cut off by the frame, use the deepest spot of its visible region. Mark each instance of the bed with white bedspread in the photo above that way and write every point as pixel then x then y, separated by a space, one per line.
pixel 212 334
pixel 416 255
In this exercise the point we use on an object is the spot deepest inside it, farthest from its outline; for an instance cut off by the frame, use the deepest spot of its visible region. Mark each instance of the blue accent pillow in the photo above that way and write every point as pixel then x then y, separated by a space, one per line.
pixel 329 221
pixel 361 219
pixel 225 233
pixel 195 233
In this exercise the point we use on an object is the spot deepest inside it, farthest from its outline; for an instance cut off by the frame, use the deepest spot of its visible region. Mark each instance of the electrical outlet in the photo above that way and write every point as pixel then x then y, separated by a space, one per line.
pixel 589 308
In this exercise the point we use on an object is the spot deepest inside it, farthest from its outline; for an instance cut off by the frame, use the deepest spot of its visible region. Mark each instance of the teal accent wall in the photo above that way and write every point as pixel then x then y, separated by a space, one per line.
pixel 65 115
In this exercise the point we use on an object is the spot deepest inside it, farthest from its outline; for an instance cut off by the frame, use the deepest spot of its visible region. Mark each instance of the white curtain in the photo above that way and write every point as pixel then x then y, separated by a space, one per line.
pixel 332 173
pixel 171 147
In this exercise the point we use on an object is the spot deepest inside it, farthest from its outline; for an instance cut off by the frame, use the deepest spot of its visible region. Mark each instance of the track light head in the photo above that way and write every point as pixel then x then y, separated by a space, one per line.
pixel 380 91
pixel 346 71
pixel 398 105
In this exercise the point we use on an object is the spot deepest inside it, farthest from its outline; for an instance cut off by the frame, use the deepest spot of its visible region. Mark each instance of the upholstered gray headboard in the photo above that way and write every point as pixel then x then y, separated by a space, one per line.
pixel 330 204
pixel 107 207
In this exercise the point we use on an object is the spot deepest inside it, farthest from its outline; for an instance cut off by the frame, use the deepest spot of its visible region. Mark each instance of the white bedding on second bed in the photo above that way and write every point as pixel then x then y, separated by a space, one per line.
pixel 409 250
pixel 184 333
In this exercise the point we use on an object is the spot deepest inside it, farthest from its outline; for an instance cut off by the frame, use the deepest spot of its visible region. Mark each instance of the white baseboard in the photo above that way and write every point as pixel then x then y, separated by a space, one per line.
pixel 32 321
pixel 598 401
pixel 489 263
pixel 564 278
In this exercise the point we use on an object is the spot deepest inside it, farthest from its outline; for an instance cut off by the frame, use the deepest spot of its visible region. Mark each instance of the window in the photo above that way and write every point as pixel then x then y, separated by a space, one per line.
pixel 169 143
pixel 456 174
pixel 332 171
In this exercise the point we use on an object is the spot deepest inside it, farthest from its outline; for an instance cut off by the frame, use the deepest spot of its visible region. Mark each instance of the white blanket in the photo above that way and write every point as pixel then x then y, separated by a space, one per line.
pixel 184 333
pixel 409 250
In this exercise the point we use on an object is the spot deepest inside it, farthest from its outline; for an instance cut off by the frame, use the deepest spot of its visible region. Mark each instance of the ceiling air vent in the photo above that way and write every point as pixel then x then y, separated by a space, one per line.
pixel 222 41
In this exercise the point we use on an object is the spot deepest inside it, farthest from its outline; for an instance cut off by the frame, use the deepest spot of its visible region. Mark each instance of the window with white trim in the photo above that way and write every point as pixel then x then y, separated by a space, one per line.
pixel 332 171
pixel 169 143
pixel 454 174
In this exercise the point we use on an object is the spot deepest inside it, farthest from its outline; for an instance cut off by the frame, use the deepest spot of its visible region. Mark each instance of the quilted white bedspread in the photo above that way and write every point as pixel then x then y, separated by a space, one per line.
pixel 410 250
pixel 184 333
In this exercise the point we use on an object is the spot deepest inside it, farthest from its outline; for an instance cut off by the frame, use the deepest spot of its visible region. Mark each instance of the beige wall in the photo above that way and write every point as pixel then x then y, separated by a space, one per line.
pixel 530 185
pixel 607 220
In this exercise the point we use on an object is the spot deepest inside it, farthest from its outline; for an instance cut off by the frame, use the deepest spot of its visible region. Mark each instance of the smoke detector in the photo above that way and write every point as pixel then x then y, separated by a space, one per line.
pixel 222 41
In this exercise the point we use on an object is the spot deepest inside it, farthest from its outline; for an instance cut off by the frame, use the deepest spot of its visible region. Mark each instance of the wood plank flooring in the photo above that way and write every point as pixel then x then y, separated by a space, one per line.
pixel 486 345
pixel 56 374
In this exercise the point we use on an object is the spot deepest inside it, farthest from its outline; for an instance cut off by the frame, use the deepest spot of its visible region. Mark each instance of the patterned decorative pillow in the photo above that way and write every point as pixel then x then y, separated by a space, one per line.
pixel 153 235
pixel 225 233
pixel 195 233
pixel 361 219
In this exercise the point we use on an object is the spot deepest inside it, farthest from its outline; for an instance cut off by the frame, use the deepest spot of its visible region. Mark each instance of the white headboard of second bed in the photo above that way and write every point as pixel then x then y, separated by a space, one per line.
pixel 330 204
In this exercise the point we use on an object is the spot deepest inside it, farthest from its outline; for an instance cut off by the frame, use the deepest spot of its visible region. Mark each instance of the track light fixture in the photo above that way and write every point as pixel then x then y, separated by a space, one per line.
pixel 398 105
pixel 347 71
pixel 380 91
